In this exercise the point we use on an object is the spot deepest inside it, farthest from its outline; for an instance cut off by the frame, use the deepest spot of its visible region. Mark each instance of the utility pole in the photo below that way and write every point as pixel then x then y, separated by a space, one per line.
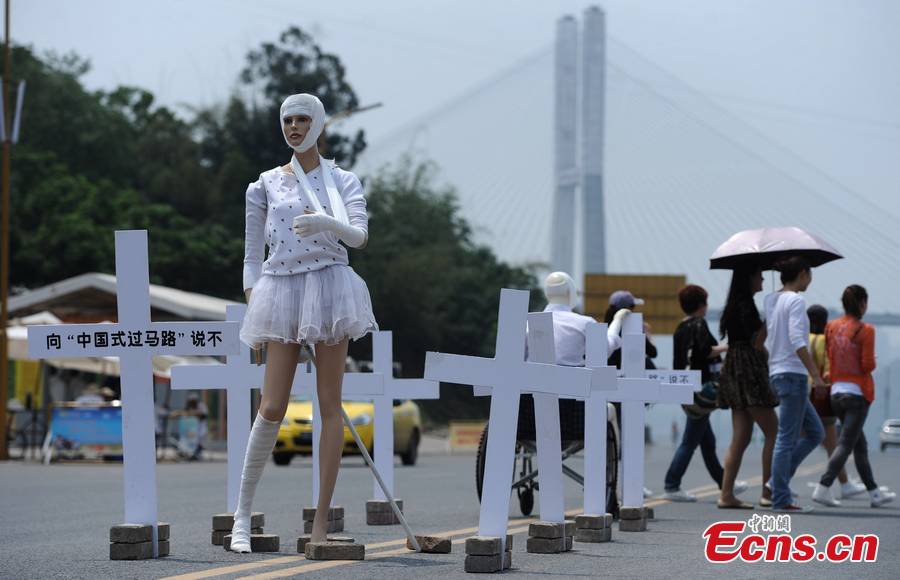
pixel 4 245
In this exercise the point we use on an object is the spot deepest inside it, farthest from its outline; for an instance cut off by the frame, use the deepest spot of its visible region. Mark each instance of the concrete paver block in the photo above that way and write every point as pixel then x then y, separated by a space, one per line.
pixel 593 521
pixel 382 506
pixel 226 521
pixel 483 546
pixel 131 551
pixel 546 530
pixel 304 539
pixel 335 551
pixel 476 564
pixel 432 544
pixel 131 533
pixel 633 513
pixel 590 536
pixel 258 543
pixel 333 526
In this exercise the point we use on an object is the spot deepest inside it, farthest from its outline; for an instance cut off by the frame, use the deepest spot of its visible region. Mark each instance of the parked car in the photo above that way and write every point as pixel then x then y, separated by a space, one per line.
pixel 295 434
pixel 890 433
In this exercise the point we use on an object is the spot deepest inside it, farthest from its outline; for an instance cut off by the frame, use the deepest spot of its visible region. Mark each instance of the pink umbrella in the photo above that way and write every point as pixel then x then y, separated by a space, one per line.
pixel 763 248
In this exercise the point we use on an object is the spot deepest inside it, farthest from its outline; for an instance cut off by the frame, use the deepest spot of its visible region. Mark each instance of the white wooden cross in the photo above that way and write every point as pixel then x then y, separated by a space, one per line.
pixel 509 375
pixel 635 389
pixel 355 386
pixel 135 339
pixel 238 376
pixel 542 349
pixel 595 420
pixel 383 363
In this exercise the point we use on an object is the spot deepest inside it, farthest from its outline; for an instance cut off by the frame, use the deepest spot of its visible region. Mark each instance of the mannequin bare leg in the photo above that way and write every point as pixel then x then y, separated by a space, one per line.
pixel 281 364
pixel 280 367
pixel 330 361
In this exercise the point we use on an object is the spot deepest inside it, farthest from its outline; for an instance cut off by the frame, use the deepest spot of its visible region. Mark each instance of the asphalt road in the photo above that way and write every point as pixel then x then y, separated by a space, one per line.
pixel 56 521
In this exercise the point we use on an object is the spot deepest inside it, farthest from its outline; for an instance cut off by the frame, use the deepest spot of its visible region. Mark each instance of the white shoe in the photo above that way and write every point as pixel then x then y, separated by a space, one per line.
pixel 740 486
pixel 648 492
pixel 851 488
pixel 679 495
pixel 879 498
pixel 240 535
pixel 823 496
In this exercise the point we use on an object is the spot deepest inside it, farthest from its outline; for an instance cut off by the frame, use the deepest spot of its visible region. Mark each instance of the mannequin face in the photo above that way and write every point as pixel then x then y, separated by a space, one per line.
pixel 295 128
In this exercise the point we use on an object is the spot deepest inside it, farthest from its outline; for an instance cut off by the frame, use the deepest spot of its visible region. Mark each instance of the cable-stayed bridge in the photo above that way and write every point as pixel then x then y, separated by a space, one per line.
pixel 681 175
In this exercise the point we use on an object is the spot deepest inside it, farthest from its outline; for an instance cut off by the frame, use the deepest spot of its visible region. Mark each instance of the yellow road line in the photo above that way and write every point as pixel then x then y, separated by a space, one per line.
pixel 234 569
pixel 515 528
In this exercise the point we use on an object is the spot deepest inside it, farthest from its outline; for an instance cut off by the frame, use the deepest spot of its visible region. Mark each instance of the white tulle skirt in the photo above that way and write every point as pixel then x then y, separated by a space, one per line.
pixel 322 306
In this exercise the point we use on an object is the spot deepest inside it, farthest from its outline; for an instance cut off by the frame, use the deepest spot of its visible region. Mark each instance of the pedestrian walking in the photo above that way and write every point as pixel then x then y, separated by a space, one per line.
pixel 696 348
pixel 791 371
pixel 850 344
pixel 821 397
pixel 744 384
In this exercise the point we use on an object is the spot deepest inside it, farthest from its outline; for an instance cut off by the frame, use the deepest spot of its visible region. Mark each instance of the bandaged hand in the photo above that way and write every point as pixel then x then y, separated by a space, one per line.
pixel 616 326
pixel 310 224
pixel 614 332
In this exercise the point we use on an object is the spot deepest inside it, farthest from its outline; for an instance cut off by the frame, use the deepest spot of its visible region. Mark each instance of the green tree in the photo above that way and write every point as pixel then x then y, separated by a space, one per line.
pixel 429 281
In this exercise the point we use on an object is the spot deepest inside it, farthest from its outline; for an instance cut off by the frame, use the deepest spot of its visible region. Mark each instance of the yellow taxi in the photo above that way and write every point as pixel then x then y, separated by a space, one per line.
pixel 295 434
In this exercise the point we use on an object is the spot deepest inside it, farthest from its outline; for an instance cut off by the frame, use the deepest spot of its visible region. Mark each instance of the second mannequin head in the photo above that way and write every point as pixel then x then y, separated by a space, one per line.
pixel 302 121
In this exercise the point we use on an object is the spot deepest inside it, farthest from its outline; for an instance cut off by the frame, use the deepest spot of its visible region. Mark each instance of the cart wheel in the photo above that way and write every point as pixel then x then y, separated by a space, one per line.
pixel 526 500
pixel 480 460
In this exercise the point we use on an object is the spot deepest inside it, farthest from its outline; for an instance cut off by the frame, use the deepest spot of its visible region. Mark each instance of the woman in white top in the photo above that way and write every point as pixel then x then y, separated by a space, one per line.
pixel 304 293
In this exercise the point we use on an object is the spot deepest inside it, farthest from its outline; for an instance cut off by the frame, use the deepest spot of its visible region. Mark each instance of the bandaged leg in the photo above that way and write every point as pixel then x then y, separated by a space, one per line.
pixel 262 440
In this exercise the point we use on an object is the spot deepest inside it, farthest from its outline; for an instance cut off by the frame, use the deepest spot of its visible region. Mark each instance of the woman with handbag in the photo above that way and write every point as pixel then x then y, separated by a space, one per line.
pixel 696 348
pixel 850 344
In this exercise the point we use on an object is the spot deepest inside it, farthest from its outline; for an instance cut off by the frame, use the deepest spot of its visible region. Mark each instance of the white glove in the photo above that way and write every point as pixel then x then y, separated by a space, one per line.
pixel 618 319
pixel 310 224
pixel 614 333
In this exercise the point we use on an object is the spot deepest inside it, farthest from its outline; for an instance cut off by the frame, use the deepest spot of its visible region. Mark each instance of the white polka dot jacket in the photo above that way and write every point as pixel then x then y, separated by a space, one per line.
pixel 273 201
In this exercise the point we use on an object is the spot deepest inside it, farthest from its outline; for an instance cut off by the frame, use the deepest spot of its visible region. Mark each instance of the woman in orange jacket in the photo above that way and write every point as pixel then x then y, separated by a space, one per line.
pixel 850 344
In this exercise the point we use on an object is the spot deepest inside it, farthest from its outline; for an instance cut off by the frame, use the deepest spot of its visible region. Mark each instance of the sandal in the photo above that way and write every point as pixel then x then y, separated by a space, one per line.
pixel 765 502
pixel 741 505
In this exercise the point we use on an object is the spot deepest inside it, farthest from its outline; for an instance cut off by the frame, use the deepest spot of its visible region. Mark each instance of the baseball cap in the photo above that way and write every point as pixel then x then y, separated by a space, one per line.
pixel 624 299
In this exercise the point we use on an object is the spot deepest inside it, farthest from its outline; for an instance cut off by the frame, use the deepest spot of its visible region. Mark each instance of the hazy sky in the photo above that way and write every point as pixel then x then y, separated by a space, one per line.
pixel 820 76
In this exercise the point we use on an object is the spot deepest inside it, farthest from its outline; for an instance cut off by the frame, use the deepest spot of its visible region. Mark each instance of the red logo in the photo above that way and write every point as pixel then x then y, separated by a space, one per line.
pixel 770 541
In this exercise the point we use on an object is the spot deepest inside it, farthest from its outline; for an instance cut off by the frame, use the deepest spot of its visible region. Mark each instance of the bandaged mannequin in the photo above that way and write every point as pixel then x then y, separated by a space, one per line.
pixel 304 293
pixel 568 326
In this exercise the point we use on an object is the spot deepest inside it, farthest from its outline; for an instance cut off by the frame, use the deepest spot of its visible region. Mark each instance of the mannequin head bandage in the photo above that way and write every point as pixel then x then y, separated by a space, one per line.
pixel 561 285
pixel 309 106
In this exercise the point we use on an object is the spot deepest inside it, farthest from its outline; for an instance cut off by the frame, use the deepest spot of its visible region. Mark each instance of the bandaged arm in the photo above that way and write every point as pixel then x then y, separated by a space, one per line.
pixel 315 223
pixel 356 233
